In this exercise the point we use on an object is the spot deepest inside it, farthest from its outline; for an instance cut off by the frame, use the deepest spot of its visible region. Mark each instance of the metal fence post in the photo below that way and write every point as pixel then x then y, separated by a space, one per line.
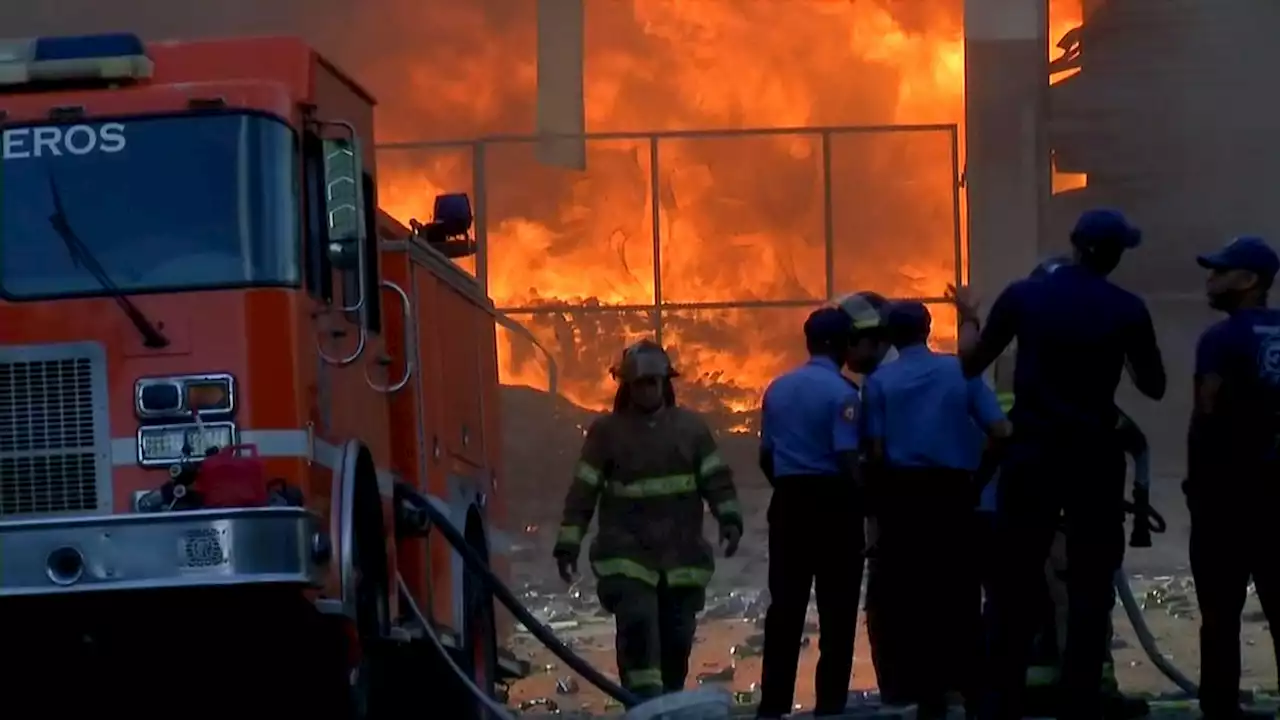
pixel 655 186
pixel 481 212
pixel 955 204
pixel 828 216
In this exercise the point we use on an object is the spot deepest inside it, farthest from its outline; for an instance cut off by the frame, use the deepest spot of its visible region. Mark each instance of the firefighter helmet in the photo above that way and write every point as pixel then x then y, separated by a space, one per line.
pixel 644 359
pixel 865 310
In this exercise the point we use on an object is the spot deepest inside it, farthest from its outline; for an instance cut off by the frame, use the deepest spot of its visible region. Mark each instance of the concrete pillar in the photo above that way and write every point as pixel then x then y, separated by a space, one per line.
pixel 1007 169
pixel 561 107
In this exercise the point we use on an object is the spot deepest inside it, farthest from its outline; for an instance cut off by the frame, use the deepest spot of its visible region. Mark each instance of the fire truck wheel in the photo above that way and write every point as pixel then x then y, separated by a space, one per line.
pixel 480 646
pixel 372 598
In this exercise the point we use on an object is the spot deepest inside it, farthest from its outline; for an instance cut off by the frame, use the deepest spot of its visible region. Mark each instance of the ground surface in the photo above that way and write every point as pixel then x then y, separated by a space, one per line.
pixel 543 437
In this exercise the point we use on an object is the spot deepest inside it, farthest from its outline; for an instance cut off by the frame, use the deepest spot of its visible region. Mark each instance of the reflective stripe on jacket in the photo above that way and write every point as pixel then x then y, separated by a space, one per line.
pixel 650 476
pixel 1006 401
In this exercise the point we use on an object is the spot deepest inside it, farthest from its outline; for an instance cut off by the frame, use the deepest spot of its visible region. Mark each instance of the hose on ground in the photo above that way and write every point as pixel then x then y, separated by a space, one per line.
pixel 1146 639
pixel 497 710
pixel 476 564
pixel 1145 522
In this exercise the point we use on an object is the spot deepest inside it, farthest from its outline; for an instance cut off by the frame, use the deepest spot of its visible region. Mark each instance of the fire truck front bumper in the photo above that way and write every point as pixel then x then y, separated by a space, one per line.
pixel 190 549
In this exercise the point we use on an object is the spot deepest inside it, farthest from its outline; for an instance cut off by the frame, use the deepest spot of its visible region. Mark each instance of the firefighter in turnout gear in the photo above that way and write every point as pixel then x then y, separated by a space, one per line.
pixel 650 465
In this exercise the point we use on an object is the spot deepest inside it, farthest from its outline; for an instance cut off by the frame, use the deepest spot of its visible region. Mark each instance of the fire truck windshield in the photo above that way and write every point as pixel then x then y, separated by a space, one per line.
pixel 178 202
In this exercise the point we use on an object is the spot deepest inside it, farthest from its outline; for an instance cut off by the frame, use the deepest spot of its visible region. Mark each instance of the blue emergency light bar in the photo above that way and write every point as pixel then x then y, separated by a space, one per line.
pixel 114 56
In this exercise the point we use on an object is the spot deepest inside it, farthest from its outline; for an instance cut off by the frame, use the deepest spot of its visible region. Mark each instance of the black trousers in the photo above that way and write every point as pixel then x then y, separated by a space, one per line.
pixel 924 597
pixel 815 541
pixel 1039 481
pixel 1233 538
pixel 655 632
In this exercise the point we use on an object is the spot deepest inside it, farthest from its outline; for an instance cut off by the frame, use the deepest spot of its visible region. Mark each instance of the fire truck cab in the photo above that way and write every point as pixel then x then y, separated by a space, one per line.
pixel 226 378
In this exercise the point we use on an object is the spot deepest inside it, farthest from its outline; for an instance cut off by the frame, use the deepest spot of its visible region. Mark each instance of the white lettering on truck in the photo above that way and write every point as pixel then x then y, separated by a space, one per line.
pixel 58 140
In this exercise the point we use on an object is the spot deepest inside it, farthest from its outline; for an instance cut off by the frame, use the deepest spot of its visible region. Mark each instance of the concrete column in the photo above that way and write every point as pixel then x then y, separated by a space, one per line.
pixel 1007 156
pixel 561 107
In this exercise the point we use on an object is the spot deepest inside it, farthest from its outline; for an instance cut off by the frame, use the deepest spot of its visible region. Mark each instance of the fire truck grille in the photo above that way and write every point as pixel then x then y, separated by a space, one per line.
pixel 54 435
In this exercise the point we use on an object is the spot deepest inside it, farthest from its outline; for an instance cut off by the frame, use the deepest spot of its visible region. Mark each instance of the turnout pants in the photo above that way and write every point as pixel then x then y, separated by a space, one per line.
pixel 924 596
pixel 1232 540
pixel 655 632
pixel 815 541
pixel 1037 484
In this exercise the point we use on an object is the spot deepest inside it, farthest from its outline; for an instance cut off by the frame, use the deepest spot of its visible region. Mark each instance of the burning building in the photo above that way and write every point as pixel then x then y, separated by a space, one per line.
pixel 748 160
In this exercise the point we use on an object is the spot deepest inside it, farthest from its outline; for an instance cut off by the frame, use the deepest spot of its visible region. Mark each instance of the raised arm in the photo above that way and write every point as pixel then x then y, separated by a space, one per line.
pixel 1000 330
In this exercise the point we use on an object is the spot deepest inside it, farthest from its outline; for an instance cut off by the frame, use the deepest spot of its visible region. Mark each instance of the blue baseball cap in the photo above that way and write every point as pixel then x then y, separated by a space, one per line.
pixel 1105 228
pixel 908 317
pixel 1244 253
pixel 827 325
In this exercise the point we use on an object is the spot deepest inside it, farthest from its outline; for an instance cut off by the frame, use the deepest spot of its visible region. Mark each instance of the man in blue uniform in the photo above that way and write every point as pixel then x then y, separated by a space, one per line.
pixel 1233 464
pixel 1075 332
pixel 925 423
pixel 809 451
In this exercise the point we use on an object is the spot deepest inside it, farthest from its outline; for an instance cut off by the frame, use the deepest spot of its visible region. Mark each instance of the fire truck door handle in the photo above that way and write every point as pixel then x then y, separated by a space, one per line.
pixel 361 341
pixel 410 340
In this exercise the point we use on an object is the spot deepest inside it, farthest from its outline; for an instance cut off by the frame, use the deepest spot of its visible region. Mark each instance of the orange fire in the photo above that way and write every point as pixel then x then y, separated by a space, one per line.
pixel 741 218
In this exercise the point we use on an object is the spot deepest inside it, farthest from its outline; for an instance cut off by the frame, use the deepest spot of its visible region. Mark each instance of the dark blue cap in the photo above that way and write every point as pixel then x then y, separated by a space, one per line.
pixel 908 317
pixel 827 325
pixel 1105 228
pixel 1244 253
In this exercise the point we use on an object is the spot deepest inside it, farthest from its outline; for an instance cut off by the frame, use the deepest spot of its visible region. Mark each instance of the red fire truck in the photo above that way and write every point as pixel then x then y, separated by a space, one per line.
pixel 226 378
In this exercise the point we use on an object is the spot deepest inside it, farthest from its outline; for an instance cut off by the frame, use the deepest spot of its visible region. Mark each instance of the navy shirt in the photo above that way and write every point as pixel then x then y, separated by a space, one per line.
pixel 927 413
pixel 1075 332
pixel 808 418
pixel 1243 350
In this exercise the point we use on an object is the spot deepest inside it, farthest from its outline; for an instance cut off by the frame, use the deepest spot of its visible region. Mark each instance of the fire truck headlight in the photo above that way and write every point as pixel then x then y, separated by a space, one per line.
pixel 162 398
pixel 189 442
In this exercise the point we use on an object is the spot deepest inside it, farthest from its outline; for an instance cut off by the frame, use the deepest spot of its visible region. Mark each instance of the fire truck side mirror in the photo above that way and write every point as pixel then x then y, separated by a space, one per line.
pixel 344 202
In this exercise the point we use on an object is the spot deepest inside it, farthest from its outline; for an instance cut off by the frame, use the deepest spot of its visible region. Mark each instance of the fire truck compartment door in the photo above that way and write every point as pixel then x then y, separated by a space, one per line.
pixel 161 550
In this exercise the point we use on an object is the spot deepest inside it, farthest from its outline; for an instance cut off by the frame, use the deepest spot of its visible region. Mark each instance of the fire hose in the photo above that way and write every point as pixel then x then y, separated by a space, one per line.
pixel 426 516
pixel 1145 522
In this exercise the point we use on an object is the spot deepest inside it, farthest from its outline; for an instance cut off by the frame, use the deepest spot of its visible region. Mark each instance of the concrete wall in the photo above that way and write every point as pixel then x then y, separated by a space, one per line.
pixel 1006 168
pixel 1175 118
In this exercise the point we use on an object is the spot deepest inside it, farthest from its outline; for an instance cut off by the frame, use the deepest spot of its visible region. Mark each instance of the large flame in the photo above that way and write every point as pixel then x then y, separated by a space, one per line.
pixel 741 218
